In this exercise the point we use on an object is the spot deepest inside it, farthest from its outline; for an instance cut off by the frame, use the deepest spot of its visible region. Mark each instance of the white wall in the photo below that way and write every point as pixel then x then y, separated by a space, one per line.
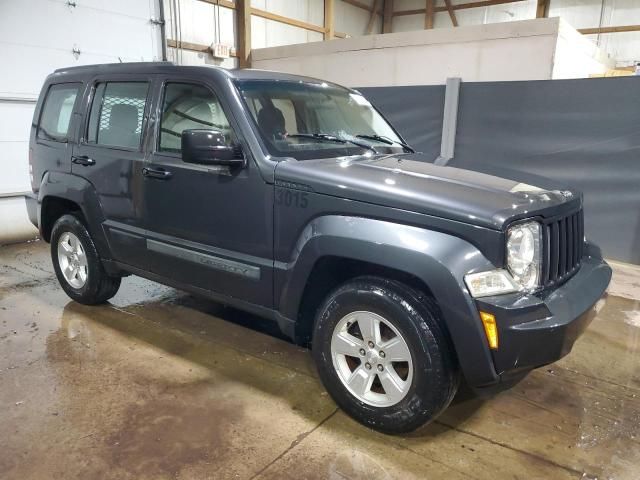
pixel 625 47
pixel 577 56
pixel 423 57
pixel 353 20
pixel 269 33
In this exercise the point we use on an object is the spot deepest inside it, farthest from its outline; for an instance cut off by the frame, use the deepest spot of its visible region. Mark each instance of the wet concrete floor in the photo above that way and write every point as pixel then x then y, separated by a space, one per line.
pixel 159 384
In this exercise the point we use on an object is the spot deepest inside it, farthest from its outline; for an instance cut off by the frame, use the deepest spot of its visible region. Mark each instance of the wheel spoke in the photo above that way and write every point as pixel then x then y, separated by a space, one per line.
pixel 82 260
pixel 360 380
pixel 82 274
pixel 393 385
pixel 369 327
pixel 66 248
pixel 68 271
pixel 396 350
pixel 345 344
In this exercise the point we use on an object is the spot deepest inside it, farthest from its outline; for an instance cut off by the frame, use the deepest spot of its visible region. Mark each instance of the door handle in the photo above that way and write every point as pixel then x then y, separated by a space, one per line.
pixel 83 160
pixel 158 173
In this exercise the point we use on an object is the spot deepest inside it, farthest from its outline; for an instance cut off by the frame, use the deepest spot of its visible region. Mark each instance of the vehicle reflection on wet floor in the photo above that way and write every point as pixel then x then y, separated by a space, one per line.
pixel 160 384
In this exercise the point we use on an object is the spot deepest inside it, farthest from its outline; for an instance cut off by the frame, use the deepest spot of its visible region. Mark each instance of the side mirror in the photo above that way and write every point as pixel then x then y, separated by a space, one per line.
pixel 208 147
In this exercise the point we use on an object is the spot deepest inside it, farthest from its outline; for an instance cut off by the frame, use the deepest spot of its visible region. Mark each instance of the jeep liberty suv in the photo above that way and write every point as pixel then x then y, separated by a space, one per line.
pixel 294 199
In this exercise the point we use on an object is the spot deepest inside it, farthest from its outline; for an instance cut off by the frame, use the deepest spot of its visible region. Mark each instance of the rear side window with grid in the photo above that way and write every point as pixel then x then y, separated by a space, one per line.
pixel 117 114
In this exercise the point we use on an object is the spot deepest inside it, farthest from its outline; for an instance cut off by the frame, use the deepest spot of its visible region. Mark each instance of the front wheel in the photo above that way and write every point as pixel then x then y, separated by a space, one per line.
pixel 77 264
pixel 382 354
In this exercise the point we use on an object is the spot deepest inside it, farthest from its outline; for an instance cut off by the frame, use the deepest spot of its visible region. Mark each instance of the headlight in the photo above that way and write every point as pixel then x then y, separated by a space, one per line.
pixel 523 254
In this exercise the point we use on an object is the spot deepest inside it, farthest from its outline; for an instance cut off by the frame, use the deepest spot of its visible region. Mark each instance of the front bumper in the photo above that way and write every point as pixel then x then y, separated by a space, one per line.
pixel 535 330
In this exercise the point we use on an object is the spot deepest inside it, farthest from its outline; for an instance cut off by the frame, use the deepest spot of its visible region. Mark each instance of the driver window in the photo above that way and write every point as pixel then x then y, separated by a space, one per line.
pixel 187 106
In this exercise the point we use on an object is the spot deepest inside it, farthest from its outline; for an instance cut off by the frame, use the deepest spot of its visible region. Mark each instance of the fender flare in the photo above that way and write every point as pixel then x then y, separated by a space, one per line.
pixel 81 192
pixel 438 259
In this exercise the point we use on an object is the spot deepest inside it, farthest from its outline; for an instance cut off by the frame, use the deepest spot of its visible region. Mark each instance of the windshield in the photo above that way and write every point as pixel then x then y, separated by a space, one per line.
pixel 309 120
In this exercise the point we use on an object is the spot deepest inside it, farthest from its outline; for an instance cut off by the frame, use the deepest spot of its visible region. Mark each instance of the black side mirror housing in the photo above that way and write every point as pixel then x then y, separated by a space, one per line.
pixel 208 147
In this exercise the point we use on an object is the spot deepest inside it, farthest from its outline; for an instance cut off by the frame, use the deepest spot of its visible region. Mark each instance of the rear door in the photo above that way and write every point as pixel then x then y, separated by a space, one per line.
pixel 54 130
pixel 110 155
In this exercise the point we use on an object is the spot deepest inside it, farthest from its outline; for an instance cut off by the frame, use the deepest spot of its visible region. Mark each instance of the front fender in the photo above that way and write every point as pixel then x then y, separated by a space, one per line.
pixel 440 260
pixel 81 192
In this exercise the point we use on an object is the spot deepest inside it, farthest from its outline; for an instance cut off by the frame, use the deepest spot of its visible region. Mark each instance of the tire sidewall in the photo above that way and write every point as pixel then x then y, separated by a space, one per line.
pixel 430 388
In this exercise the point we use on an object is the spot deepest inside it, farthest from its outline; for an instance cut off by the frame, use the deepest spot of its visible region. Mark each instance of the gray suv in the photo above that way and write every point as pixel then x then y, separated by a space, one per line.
pixel 294 199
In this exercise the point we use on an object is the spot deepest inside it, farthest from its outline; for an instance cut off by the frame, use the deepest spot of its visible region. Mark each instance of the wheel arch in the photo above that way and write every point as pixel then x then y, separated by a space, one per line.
pixel 333 249
pixel 61 193
pixel 54 207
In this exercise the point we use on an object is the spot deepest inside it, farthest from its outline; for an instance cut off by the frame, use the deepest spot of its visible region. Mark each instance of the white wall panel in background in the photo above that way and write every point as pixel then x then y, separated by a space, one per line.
pixel 624 47
pixel 269 33
pixel 353 21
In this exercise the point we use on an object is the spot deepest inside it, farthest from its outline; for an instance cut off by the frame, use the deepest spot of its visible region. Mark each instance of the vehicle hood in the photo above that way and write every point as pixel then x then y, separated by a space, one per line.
pixel 411 182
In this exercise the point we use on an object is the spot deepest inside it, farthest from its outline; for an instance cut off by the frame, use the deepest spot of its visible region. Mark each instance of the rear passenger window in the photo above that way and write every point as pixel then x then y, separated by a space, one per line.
pixel 56 112
pixel 117 114
pixel 188 107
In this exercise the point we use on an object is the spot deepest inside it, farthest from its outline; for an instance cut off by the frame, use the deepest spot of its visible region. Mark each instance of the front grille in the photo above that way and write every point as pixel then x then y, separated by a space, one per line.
pixel 563 244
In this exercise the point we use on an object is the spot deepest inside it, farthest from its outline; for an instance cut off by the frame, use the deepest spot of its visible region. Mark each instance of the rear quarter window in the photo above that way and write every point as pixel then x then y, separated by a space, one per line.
pixel 56 112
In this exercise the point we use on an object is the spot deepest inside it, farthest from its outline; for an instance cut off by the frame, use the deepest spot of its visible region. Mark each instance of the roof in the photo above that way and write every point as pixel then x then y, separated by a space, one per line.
pixel 158 67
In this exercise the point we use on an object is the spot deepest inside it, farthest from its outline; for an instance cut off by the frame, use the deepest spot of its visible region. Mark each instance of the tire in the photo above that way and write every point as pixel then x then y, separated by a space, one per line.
pixel 419 389
pixel 90 285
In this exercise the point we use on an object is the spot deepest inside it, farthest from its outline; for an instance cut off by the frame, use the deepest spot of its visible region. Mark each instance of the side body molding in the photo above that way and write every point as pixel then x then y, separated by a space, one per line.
pixel 440 260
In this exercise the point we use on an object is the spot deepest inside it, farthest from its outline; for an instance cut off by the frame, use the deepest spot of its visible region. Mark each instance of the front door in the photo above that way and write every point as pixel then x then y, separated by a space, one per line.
pixel 110 155
pixel 207 226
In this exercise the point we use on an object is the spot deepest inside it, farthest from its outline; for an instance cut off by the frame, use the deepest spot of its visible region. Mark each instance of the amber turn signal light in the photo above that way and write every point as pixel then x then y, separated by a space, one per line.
pixel 490 329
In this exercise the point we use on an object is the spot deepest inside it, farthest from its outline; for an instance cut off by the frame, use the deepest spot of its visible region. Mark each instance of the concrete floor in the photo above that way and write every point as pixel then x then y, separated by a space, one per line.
pixel 159 384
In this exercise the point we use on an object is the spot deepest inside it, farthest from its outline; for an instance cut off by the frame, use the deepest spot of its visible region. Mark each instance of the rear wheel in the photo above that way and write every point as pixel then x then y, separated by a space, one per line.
pixel 77 264
pixel 383 356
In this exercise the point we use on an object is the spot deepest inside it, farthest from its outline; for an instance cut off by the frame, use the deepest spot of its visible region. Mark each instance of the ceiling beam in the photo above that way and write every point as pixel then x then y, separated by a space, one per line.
pixel 364 6
pixel 372 17
pixel 543 9
pixel 619 29
pixel 222 3
pixel 459 6
pixel 243 27
pixel 429 14
pixel 452 14
pixel 328 19
pixel 286 20
pixel 195 47
pixel 387 16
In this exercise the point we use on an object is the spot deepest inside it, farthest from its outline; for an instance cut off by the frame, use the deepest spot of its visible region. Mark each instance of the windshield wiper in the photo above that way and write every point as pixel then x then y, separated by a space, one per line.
pixel 388 141
pixel 332 138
